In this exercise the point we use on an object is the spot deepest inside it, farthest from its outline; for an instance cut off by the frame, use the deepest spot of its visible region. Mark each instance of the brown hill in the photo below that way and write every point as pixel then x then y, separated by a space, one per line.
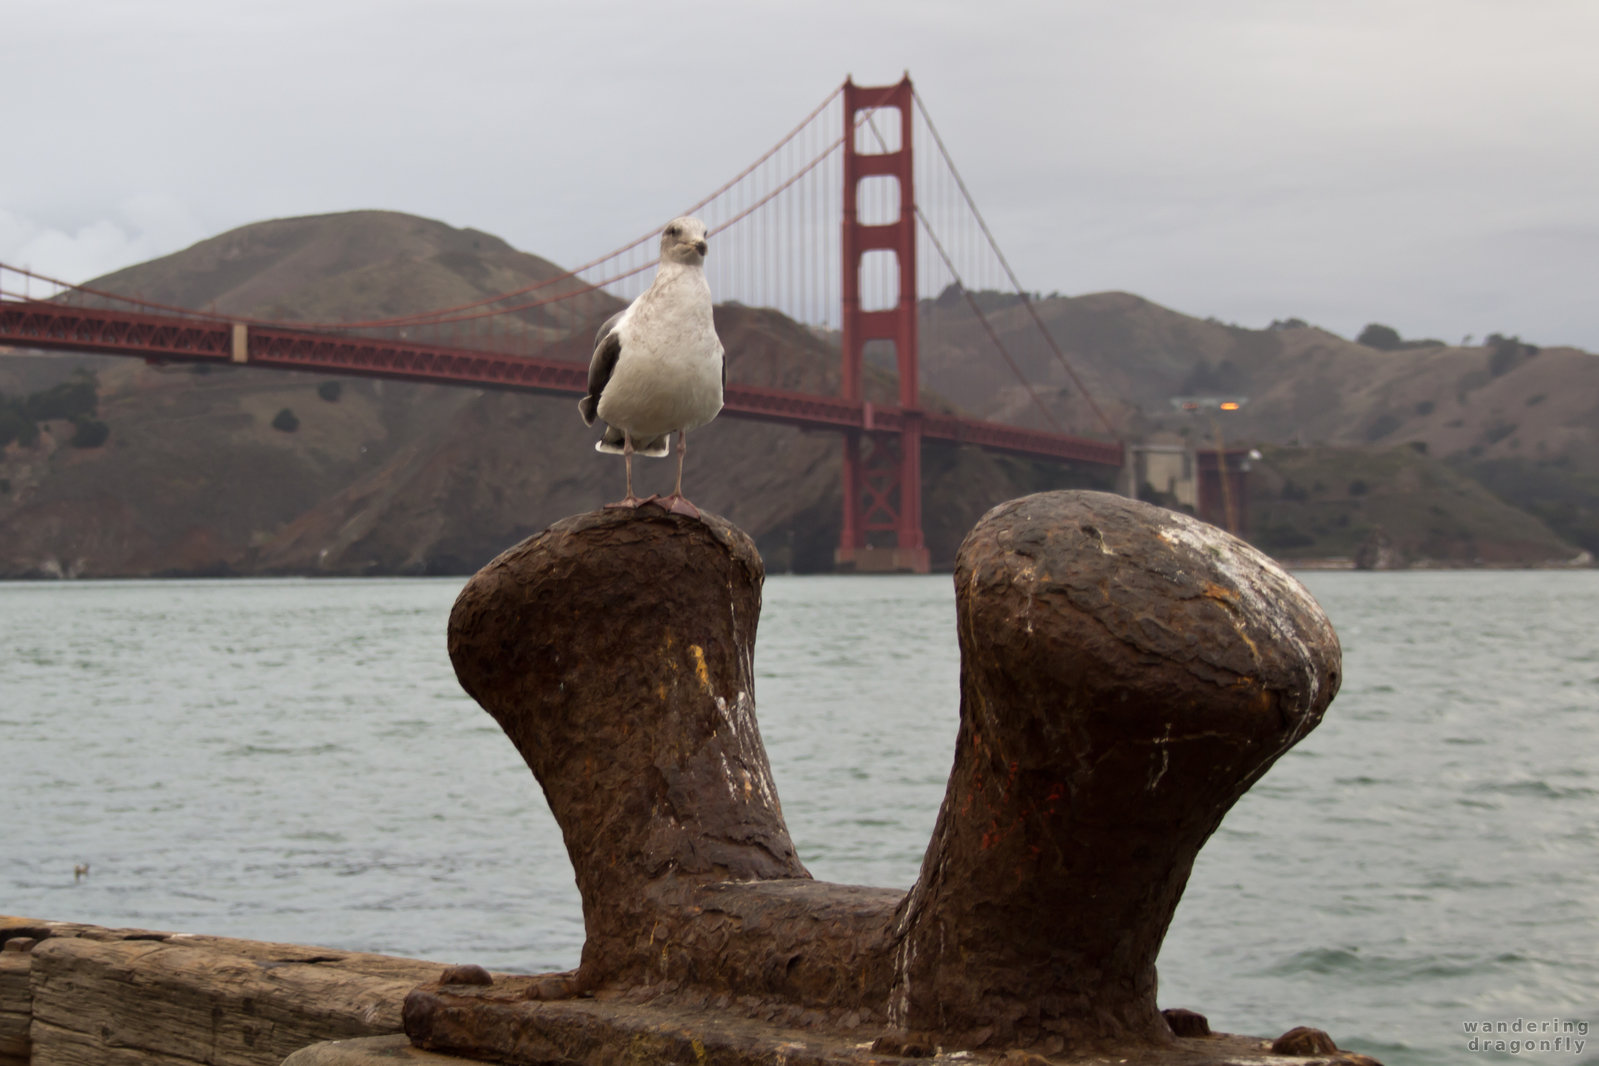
pixel 1304 384
pixel 203 473
pixel 345 267
pixel 1465 454
pixel 1520 422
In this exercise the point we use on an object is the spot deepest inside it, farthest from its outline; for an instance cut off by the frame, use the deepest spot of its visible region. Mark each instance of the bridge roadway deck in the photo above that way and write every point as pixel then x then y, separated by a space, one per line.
pixel 173 338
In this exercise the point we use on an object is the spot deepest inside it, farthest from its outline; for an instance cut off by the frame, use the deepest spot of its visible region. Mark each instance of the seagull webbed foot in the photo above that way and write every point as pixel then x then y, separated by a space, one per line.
pixel 677 503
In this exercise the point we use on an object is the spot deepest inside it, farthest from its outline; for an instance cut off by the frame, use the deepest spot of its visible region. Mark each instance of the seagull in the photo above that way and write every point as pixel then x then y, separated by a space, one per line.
pixel 657 366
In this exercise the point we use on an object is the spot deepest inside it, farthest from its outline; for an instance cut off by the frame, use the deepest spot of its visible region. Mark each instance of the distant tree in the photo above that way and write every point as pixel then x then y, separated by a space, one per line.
pixel 1497 432
pixel 329 391
pixel 1382 425
pixel 1425 407
pixel 1226 377
pixel 1358 487
pixel 1383 338
pixel 89 432
pixel 286 421
pixel 78 395
pixel 16 426
pixel 1287 323
pixel 1504 354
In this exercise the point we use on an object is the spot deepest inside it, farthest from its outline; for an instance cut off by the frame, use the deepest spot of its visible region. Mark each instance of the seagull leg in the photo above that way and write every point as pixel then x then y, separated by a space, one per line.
pixel 629 500
pixel 679 504
pixel 627 462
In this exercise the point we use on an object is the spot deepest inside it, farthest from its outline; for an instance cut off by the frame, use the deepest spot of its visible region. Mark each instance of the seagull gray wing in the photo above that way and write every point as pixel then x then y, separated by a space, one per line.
pixel 607 350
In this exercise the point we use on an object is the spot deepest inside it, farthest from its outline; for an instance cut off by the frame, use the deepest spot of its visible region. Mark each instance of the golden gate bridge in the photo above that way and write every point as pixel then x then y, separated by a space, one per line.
pixel 826 227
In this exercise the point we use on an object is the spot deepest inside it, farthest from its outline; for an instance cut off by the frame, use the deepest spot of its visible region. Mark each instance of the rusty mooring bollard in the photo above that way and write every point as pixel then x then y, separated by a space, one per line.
pixel 1127 673
pixel 616 651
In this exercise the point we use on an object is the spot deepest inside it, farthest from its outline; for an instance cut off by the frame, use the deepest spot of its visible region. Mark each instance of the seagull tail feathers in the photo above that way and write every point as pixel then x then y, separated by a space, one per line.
pixel 613 441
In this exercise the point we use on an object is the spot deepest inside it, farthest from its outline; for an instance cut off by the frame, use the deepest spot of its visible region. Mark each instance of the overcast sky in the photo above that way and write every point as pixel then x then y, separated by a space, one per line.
pixel 1429 164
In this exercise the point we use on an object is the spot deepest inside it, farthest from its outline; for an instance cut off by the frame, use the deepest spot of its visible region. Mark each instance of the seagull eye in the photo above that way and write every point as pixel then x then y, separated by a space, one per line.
pixel 672 231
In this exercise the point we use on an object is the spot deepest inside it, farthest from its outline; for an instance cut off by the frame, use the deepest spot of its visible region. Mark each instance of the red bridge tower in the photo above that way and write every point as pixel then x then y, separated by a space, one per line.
pixel 882 469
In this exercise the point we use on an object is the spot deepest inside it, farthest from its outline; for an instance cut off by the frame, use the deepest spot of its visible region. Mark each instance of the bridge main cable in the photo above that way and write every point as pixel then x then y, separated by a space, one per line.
pixel 438 314
pixel 1049 337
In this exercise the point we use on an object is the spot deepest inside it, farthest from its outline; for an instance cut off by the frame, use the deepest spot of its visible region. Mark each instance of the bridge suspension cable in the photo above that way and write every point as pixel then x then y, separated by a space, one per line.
pixel 971 302
pixel 1016 285
pixel 647 242
pixel 570 283
pixel 776 224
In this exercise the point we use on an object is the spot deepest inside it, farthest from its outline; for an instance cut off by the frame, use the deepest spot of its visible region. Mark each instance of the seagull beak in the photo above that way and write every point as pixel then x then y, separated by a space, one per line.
pixel 700 247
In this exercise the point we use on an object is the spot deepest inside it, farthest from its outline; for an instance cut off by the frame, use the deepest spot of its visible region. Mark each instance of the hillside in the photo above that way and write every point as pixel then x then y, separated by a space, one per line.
pixel 1519 422
pixel 200 476
pixel 1467 455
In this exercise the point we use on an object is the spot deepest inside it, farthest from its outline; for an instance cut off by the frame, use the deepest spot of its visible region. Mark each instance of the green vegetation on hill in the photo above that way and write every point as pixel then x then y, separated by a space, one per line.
pixel 1563 498
pixel 1328 502
pixel 1387 339
pixel 1443 454
pixel 75 400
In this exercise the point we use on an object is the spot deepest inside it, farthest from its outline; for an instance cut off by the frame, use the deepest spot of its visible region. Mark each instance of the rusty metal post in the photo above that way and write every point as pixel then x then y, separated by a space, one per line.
pixel 616 651
pixel 1127 673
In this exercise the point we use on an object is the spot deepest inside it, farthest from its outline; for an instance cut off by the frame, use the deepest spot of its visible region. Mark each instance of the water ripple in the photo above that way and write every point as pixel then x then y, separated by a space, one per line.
pixel 308 770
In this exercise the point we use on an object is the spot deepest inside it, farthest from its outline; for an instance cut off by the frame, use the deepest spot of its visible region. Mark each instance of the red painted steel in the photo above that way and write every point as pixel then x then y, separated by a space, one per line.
pixel 78 329
pixel 170 338
pixel 880 495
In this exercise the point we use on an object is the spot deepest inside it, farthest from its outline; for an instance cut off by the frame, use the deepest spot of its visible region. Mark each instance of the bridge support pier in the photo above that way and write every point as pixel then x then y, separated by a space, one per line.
pixel 882 495
pixel 882 471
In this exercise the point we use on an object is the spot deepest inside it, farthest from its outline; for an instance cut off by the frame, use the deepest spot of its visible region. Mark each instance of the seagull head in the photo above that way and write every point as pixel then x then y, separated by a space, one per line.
pixel 684 241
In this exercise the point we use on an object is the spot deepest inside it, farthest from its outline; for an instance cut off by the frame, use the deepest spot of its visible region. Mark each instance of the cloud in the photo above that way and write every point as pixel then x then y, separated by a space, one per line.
pixel 1246 159
pixel 139 228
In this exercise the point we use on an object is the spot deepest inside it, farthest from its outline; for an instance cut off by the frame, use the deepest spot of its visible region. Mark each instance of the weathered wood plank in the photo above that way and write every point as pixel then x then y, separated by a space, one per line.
pixel 68 1047
pixel 206 999
pixel 16 1008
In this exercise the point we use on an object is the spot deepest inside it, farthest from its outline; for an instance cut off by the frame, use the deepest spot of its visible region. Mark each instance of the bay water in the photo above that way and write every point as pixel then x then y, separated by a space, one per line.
pixel 293 760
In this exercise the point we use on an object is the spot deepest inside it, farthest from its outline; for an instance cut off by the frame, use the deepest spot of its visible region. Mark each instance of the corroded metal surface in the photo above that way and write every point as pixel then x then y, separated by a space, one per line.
pixel 615 649
pixel 1127 673
pixel 605 1030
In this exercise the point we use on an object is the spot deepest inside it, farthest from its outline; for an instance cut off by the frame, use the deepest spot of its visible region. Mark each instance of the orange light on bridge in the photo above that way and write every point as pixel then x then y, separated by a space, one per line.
pixel 1230 405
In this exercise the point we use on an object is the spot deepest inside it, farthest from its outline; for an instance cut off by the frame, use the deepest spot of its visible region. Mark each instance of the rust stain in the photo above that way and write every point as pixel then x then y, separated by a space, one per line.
pixel 1254 651
pixel 700 669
